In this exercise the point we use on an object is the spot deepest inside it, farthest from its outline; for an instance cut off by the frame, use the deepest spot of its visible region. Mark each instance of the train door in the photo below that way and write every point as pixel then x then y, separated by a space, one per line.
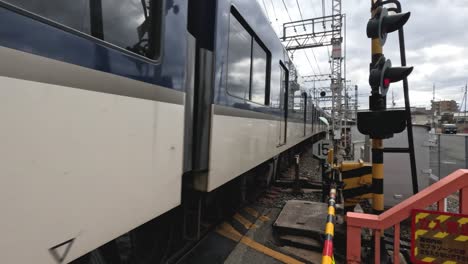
pixel 283 127
pixel 201 21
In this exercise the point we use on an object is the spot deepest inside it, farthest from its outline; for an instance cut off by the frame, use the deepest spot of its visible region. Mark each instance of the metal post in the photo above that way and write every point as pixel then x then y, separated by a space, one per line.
pixel 356 104
pixel 367 149
pixel 433 108
pixel 324 179
pixel 297 185
pixel 409 123
pixel 464 114
pixel 439 137
pixel 345 116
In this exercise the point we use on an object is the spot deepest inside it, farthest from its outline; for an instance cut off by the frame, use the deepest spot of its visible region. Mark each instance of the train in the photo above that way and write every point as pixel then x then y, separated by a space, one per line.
pixel 124 124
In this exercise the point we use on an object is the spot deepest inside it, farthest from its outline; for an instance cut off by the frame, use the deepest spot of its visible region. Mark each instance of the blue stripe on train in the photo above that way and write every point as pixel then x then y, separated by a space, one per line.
pixel 29 35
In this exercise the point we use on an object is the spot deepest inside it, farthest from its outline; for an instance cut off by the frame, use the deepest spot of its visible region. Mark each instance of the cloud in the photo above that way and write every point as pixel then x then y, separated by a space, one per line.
pixel 435 36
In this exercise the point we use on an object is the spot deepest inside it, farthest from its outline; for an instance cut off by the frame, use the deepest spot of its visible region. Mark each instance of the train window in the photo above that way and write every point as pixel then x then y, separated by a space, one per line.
pixel 248 63
pixel 71 13
pixel 298 106
pixel 133 25
pixel 128 24
pixel 275 86
pixel 239 59
pixel 259 74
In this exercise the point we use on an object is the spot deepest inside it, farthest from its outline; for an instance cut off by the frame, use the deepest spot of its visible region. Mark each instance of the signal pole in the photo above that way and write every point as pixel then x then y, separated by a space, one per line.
pixel 380 123
pixel 377 144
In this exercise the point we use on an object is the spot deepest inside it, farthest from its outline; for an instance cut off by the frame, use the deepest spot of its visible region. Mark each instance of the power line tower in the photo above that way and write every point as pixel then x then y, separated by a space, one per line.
pixel 336 84
pixel 320 32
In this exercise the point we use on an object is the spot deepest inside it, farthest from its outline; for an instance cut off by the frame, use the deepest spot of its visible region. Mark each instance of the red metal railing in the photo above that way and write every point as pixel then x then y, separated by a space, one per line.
pixel 436 193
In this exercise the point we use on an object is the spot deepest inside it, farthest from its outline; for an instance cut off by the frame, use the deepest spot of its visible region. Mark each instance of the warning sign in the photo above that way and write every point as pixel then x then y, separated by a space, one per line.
pixel 438 237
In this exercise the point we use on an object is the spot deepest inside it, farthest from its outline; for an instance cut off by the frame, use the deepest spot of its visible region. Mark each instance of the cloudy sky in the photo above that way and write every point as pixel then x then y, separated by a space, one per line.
pixel 436 45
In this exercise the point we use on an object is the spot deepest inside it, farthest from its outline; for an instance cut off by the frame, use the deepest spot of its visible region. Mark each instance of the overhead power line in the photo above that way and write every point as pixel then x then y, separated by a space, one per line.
pixel 318 65
pixel 300 13
pixel 276 17
pixel 310 64
pixel 274 10
pixel 287 11
pixel 266 11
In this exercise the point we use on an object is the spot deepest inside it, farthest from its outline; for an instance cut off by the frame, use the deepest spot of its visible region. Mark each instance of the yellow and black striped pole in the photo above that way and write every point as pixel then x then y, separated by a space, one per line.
pixel 377 144
pixel 327 255
pixel 377 176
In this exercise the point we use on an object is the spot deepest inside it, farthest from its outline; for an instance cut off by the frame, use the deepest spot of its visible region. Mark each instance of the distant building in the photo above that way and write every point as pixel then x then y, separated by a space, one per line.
pixel 439 107
pixel 461 117
pixel 421 116
pixel 461 120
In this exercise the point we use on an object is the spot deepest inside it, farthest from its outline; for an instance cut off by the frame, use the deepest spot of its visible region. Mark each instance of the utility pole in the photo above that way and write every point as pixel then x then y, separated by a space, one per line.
pixel 433 108
pixel 336 84
pixel 356 103
pixel 464 114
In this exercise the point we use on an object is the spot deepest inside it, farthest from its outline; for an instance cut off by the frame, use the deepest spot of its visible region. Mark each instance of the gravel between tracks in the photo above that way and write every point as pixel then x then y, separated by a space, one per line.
pixel 309 170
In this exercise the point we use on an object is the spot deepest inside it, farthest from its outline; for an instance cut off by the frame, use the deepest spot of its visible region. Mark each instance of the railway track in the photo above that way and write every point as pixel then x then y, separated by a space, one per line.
pixel 248 234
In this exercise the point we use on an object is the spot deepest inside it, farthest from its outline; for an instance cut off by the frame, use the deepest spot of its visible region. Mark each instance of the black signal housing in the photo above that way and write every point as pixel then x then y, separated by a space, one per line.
pixel 382 23
pixel 381 124
pixel 384 74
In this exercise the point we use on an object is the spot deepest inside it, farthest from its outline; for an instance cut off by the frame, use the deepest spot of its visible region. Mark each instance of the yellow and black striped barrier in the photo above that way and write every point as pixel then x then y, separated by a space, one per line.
pixel 327 255
pixel 357 180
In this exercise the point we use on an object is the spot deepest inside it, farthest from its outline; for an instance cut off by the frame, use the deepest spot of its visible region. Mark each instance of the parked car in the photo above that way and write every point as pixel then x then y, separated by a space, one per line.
pixel 449 129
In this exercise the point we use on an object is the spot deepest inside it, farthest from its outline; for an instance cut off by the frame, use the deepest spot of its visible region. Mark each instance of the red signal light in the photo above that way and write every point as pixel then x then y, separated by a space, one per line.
pixel 384 74
pixel 387 82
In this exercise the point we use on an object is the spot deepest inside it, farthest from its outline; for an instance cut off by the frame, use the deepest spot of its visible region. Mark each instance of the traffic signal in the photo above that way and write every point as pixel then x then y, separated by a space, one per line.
pixel 382 23
pixel 384 74
pixel 380 123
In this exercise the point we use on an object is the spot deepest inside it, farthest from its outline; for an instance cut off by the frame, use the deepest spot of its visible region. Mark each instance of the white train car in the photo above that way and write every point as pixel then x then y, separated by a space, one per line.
pixel 112 113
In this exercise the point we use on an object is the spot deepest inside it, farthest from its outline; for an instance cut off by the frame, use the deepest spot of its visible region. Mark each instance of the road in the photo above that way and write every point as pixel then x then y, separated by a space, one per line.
pixel 452 154
pixel 397 183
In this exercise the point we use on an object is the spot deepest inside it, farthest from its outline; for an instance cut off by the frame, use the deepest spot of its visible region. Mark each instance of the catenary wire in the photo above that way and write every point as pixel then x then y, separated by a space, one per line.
pixel 266 11
pixel 300 13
